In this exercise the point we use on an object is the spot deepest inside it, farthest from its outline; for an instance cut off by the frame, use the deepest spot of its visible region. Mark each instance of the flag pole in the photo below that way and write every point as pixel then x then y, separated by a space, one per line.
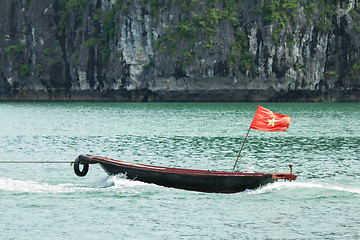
pixel 241 148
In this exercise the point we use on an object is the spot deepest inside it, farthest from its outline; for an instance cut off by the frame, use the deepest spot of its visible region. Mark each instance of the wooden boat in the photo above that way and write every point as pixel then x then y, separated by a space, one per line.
pixel 188 179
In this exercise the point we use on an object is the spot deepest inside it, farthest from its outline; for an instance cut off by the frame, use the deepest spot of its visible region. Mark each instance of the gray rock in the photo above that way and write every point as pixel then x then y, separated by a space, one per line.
pixel 137 51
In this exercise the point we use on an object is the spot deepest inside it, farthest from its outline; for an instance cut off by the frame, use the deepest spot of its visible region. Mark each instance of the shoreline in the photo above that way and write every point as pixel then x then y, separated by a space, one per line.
pixel 145 95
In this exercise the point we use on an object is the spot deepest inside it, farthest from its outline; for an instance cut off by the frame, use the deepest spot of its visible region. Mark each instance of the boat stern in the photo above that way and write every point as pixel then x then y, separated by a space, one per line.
pixel 285 176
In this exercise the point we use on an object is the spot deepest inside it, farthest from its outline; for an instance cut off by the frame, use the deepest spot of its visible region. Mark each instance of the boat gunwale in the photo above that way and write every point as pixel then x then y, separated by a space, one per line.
pixel 170 170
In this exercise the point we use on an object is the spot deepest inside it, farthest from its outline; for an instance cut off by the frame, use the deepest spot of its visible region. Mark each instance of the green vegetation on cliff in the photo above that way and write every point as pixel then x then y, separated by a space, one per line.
pixel 128 44
pixel 15 50
pixel 199 29
pixel 279 13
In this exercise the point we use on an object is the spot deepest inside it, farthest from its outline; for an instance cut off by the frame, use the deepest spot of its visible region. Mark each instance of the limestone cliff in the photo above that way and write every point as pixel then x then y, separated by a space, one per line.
pixel 180 50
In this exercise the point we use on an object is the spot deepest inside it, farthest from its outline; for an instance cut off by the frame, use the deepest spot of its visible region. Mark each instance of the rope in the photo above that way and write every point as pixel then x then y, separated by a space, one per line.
pixel 71 162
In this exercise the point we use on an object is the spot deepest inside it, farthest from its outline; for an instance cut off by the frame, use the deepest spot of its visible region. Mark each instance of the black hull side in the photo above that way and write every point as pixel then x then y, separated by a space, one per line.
pixel 194 182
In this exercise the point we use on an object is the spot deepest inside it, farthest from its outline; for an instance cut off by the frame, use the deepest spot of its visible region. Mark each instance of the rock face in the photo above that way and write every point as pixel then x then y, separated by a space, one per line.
pixel 180 50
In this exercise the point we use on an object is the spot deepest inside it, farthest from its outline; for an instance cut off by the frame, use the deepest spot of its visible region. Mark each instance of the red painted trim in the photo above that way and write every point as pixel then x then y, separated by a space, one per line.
pixel 95 159
pixel 285 176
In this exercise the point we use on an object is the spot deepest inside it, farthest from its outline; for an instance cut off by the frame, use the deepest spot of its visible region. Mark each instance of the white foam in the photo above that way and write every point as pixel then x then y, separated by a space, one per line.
pixel 295 185
pixel 29 186
pixel 121 181
pixel 118 181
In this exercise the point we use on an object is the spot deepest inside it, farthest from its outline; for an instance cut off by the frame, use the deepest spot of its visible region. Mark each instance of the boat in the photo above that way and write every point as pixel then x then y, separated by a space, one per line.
pixel 193 179
pixel 187 179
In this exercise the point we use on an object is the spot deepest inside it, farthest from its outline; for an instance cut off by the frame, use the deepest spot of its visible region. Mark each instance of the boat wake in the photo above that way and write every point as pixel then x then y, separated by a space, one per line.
pixel 118 181
pixel 30 186
pixel 301 185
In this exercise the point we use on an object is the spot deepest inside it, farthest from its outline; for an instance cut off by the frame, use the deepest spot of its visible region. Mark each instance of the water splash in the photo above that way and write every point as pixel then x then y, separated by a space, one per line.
pixel 301 185
pixel 30 186
pixel 120 181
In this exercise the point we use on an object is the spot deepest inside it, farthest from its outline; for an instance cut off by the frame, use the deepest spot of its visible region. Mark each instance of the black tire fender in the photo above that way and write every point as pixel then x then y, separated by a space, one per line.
pixel 85 169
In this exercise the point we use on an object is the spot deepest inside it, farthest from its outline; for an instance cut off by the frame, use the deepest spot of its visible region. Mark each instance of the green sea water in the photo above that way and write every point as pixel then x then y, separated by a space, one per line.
pixel 48 201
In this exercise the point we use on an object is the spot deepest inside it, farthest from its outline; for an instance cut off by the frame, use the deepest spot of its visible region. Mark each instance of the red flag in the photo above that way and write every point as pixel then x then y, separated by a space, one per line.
pixel 266 120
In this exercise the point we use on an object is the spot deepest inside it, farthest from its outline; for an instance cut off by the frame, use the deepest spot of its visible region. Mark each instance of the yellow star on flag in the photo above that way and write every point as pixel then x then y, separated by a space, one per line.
pixel 272 122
